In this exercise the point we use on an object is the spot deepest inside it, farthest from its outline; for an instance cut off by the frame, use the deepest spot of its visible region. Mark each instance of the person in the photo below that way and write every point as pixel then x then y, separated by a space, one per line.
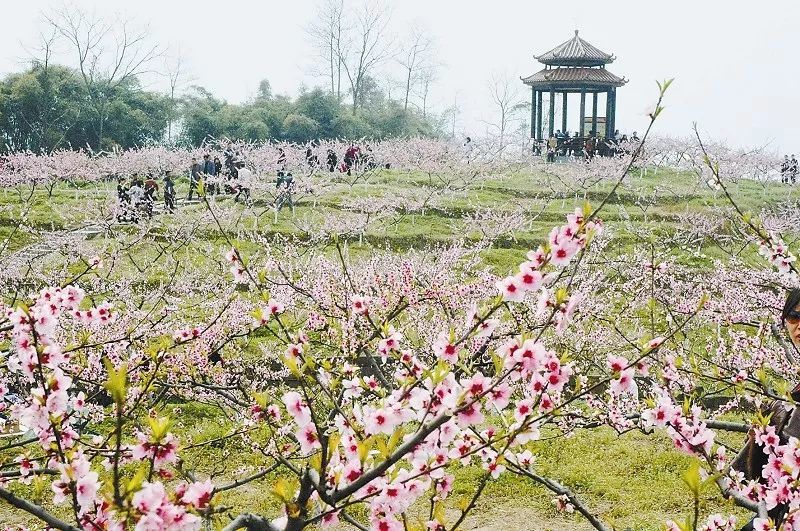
pixel 136 193
pixel 785 418
pixel 793 169
pixel 229 162
pixel 785 169
pixel 214 186
pixel 634 137
pixel 468 145
pixel 331 160
pixel 590 146
pixel 552 144
pixel 122 190
pixel 150 195
pixel 311 159
pixel 124 198
pixel 285 186
pixel 368 158
pixel 350 157
pixel 194 177
pixel 244 176
pixel 281 162
pixel 169 193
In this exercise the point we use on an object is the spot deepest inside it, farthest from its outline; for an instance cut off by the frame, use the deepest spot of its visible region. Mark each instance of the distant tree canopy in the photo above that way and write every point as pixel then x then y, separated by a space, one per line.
pixel 49 107
pixel 312 114
pixel 46 108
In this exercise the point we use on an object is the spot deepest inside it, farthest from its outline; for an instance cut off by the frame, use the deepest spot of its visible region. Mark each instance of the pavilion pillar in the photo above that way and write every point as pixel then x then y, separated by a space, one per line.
pixel 551 127
pixel 613 110
pixel 594 113
pixel 564 112
pixel 533 113
pixel 609 130
pixel 538 115
pixel 583 112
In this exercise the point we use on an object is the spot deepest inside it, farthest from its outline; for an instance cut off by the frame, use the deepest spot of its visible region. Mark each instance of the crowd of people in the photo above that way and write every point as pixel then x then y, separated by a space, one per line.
pixel 789 169
pixel 138 198
pixel 231 176
pixel 566 144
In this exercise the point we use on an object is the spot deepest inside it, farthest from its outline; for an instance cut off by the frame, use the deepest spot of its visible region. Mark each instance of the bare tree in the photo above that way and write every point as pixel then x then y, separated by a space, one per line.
pixel 451 114
pixel 365 47
pixel 427 76
pixel 107 54
pixel 414 55
pixel 504 93
pixel 175 72
pixel 327 32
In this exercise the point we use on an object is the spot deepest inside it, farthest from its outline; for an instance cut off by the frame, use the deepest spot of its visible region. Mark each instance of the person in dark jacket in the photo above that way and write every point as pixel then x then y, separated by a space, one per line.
pixel 150 195
pixel 208 165
pixel 785 169
pixel 311 159
pixel 281 162
pixel 194 177
pixel 331 160
pixel 169 193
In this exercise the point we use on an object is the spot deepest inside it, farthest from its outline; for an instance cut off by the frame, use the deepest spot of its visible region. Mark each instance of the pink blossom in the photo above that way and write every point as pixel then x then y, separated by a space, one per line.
pixel 198 494
pixel 308 438
pixel 511 289
pixel 297 408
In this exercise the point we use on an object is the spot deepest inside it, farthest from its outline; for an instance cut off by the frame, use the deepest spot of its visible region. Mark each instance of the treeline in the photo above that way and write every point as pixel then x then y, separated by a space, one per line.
pixel 51 107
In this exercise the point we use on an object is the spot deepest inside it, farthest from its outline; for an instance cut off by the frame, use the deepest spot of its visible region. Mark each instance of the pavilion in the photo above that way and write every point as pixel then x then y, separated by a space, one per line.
pixel 574 66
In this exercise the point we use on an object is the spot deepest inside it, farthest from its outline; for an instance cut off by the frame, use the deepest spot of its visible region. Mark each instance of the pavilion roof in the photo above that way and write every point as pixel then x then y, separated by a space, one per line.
pixel 575 52
pixel 574 77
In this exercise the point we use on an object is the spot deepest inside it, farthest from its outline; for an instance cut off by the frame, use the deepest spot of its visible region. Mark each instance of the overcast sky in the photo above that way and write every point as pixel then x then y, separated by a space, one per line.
pixel 734 62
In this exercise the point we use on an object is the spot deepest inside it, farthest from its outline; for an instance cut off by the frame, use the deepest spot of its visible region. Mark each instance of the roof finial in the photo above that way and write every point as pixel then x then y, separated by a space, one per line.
pixel 576 33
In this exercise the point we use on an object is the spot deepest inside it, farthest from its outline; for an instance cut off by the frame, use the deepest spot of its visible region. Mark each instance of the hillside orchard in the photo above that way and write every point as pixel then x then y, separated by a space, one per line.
pixel 439 314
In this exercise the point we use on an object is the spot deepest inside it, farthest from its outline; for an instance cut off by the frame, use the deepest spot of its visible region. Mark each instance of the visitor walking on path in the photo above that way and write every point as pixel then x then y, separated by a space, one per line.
pixel 194 177
pixel 150 195
pixel 350 157
pixel 136 193
pixel 169 193
pixel 331 160
pixel 244 177
pixel 281 162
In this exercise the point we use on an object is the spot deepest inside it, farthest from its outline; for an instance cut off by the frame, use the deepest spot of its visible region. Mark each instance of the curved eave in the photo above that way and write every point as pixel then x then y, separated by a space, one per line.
pixel 574 62
pixel 574 78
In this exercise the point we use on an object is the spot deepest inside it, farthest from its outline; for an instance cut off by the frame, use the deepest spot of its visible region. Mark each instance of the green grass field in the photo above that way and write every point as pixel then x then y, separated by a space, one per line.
pixel 632 481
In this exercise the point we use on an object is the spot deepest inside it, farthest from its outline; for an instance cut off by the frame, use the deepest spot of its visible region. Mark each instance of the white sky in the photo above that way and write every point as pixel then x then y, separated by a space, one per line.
pixel 735 62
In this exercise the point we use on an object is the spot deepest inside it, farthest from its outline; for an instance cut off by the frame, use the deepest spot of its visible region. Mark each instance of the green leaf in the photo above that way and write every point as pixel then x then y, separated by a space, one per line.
pixel 283 490
pixel 159 427
pixel 692 478
pixel 117 381
pixel 135 483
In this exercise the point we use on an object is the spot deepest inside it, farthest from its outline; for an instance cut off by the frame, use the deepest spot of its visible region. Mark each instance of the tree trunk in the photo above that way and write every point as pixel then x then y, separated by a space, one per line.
pixel 408 89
